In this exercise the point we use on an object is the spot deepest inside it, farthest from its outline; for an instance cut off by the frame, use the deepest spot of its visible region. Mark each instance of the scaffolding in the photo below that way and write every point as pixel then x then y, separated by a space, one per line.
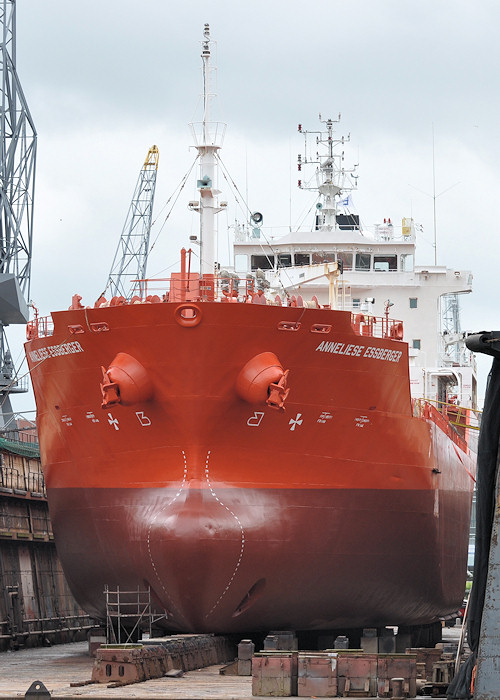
pixel 129 615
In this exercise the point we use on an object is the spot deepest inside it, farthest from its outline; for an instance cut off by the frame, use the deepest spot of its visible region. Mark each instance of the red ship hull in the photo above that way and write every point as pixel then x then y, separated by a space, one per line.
pixel 344 510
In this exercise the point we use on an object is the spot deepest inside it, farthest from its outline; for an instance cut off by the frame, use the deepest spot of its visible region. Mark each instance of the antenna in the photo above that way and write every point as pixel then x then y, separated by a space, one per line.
pixel 331 178
pixel 434 195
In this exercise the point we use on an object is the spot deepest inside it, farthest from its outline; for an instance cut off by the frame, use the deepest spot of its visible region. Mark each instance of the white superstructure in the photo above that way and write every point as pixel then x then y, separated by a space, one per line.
pixel 378 276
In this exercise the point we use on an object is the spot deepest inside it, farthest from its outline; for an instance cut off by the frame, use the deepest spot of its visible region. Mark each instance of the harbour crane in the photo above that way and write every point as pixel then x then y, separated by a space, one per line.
pixel 18 140
pixel 129 265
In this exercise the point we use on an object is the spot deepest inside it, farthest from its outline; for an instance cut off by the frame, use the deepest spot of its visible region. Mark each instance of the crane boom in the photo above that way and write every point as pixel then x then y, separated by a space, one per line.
pixel 17 161
pixel 18 141
pixel 129 264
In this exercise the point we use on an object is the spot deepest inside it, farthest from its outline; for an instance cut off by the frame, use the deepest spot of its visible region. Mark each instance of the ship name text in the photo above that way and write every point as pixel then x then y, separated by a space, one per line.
pixel 360 351
pixel 55 351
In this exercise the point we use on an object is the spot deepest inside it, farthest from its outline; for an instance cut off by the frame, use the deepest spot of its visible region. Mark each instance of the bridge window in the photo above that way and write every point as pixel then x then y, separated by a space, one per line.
pixel 262 262
pixel 322 257
pixel 363 261
pixel 385 263
pixel 284 260
pixel 346 259
pixel 302 258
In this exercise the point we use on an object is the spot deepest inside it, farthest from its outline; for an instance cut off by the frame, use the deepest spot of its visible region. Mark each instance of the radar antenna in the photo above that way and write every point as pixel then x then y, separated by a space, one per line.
pixel 332 179
pixel 128 270
pixel 17 180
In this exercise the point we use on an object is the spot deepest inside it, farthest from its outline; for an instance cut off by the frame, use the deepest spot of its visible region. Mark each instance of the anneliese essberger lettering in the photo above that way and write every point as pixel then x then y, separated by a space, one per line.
pixel 383 354
pixel 356 350
pixel 340 348
pixel 55 351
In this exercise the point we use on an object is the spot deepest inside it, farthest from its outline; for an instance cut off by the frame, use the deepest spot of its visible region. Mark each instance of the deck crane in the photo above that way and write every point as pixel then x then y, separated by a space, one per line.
pixel 129 264
pixel 18 140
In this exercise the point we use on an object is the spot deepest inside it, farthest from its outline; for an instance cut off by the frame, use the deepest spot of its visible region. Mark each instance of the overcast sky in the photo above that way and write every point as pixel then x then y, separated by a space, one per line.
pixel 106 79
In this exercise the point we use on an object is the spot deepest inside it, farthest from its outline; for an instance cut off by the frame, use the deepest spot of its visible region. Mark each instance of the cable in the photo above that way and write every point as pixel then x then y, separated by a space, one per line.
pixel 279 269
pixel 181 187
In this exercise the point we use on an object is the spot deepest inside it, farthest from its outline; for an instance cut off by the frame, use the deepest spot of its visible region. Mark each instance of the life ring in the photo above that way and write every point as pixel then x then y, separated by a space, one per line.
pixel 189 321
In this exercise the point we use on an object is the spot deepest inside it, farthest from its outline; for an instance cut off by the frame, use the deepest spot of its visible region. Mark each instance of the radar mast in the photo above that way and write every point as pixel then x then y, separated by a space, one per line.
pixel 332 179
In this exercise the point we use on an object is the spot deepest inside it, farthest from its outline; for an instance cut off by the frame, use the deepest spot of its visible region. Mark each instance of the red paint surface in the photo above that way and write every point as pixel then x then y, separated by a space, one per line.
pixel 328 512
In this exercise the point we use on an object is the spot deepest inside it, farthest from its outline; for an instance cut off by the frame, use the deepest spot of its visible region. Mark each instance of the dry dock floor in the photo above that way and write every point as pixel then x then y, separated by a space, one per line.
pixel 59 666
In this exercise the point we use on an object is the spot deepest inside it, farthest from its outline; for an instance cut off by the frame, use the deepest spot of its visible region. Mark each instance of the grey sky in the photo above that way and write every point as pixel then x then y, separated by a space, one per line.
pixel 106 79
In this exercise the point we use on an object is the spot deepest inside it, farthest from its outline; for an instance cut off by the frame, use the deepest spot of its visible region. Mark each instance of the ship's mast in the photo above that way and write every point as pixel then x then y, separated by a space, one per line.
pixel 332 178
pixel 208 137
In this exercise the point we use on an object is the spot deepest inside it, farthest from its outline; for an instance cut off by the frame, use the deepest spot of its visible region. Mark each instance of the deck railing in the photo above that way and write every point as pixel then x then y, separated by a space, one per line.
pixel 40 327
pixel 377 326
pixel 454 420
pixel 223 289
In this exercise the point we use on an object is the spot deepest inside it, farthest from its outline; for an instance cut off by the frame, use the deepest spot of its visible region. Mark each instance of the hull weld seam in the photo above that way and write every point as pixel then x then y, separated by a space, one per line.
pixel 207 476
pixel 151 525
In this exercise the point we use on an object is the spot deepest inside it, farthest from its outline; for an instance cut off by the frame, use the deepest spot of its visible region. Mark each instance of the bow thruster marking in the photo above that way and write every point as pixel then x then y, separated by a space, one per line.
pixel 294 422
pixel 151 525
pixel 143 419
pixel 207 476
pixel 255 420
pixel 113 421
